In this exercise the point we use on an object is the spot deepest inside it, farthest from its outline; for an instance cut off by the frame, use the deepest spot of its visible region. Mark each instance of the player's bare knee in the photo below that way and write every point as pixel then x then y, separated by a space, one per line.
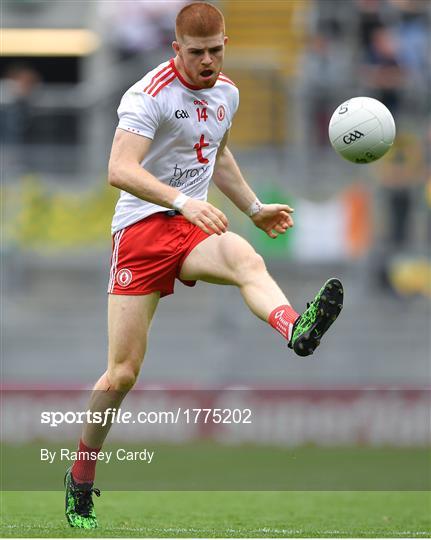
pixel 250 266
pixel 123 377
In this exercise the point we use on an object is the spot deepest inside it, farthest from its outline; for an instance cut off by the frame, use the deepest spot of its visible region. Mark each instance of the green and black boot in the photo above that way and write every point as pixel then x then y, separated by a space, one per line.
pixel 79 503
pixel 312 324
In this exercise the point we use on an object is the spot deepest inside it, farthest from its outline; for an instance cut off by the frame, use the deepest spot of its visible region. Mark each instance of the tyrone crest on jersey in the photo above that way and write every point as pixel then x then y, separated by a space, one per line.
pixel 221 113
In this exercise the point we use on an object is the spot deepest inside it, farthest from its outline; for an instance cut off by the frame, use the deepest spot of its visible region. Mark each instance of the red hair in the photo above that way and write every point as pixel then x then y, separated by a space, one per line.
pixel 199 19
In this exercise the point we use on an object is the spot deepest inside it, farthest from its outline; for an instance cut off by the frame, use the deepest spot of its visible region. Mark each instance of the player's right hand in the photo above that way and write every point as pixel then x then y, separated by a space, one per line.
pixel 206 216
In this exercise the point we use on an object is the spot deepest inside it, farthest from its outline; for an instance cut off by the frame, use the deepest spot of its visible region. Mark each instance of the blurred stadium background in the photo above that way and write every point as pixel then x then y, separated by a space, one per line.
pixel 64 67
pixel 356 415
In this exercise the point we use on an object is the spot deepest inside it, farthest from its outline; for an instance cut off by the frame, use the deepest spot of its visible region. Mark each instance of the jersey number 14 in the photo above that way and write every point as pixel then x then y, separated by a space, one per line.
pixel 202 114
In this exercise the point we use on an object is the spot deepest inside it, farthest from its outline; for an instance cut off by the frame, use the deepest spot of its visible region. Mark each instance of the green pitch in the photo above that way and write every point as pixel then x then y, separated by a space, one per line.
pixel 225 514
pixel 209 466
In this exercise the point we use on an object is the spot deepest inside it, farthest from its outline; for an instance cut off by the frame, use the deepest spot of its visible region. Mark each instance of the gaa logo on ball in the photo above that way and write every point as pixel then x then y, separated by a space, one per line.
pixel 124 277
pixel 362 130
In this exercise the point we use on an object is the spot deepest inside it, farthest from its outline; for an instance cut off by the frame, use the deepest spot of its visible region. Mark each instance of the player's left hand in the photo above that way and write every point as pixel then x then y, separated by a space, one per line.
pixel 274 219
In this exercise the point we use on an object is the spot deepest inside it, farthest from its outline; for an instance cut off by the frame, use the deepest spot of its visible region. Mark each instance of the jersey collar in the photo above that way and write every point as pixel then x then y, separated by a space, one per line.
pixel 182 79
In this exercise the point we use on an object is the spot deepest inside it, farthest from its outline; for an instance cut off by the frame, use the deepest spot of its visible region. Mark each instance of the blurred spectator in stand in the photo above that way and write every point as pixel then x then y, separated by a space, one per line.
pixel 17 89
pixel 369 19
pixel 140 27
pixel 324 71
pixel 401 173
pixel 382 72
pixel 428 190
pixel 413 31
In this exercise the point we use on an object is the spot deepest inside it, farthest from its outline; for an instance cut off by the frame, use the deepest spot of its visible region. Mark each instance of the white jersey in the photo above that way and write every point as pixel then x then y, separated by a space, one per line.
pixel 186 125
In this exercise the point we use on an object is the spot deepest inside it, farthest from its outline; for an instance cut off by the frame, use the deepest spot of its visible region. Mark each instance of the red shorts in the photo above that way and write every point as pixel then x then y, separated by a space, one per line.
pixel 147 256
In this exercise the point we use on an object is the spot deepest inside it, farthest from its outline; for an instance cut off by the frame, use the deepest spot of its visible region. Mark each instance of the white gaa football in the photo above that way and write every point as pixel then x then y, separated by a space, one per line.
pixel 362 129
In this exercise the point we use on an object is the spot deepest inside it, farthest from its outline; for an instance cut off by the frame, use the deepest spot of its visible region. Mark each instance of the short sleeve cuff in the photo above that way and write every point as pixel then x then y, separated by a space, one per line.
pixel 131 129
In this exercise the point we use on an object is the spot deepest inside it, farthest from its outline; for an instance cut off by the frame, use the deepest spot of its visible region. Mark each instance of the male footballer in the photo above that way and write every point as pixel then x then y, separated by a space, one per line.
pixel 170 142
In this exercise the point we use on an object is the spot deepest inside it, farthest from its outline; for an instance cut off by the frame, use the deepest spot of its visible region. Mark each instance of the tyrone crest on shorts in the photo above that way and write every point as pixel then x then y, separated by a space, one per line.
pixel 124 277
